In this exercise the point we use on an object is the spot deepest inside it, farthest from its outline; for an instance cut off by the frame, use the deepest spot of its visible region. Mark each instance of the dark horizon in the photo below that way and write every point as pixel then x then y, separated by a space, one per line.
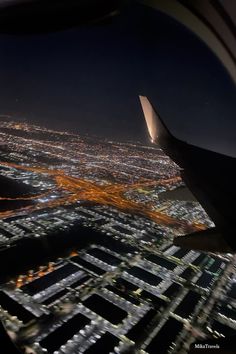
pixel 87 80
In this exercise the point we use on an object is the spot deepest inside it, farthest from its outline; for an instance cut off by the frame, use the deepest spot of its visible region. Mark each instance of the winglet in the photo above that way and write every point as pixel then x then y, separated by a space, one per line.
pixel 156 127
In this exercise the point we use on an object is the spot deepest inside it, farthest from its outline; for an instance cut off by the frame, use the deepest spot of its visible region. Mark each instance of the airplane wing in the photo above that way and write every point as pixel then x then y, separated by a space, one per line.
pixel 209 175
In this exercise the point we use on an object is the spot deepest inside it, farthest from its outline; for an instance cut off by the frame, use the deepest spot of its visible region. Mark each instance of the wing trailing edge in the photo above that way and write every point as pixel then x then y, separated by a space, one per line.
pixel 209 240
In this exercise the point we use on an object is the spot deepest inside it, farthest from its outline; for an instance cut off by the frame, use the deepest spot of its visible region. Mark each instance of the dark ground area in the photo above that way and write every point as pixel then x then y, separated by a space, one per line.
pixel 10 188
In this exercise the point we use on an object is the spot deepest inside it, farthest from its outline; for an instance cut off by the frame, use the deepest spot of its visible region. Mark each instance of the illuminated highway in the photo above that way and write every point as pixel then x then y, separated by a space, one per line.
pixel 76 189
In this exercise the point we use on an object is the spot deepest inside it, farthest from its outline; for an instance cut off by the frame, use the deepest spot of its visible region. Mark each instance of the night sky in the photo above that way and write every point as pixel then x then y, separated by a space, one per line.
pixel 88 80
